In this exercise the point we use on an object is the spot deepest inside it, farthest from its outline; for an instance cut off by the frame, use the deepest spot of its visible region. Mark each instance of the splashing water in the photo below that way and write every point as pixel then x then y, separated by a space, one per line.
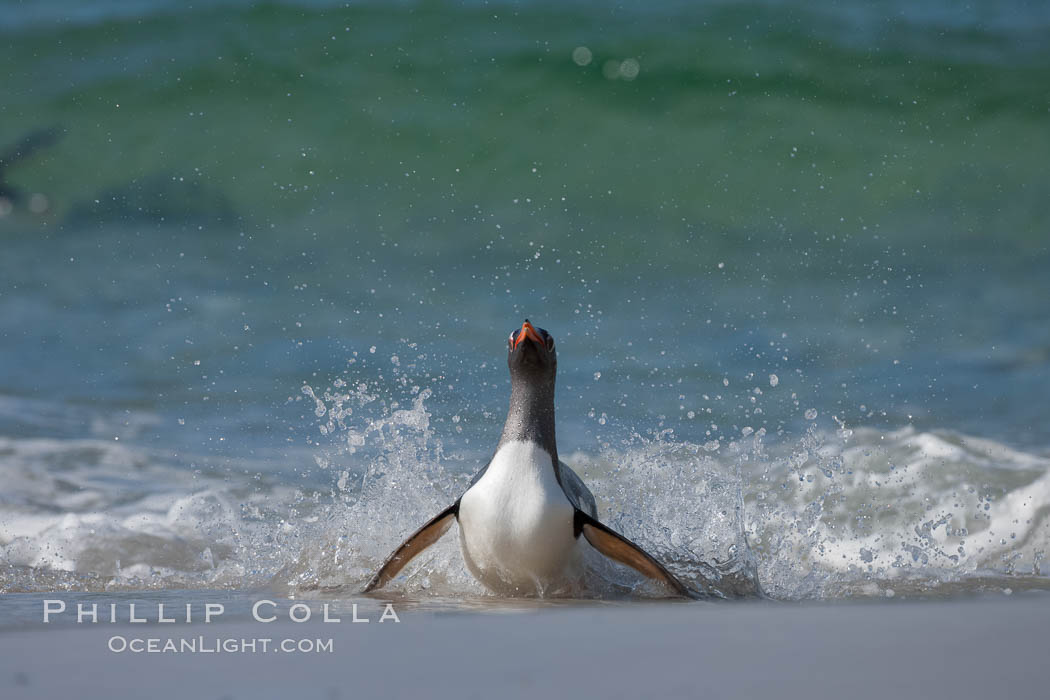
pixel 854 512
pixel 848 513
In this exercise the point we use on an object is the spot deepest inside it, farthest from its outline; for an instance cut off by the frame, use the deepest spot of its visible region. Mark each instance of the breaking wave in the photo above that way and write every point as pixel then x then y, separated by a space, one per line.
pixel 833 514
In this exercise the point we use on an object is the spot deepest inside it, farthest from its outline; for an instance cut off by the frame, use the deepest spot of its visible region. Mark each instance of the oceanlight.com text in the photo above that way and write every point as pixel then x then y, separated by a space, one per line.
pixel 119 644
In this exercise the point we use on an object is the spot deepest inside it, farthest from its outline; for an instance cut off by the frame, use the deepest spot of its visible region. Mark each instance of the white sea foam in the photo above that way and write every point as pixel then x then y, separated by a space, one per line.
pixel 848 513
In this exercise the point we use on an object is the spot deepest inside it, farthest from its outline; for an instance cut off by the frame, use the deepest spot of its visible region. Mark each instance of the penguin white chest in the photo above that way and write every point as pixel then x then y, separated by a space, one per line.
pixel 516 524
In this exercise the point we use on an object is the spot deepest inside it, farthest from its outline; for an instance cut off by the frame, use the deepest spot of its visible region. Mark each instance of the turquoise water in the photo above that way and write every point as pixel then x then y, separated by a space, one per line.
pixel 825 228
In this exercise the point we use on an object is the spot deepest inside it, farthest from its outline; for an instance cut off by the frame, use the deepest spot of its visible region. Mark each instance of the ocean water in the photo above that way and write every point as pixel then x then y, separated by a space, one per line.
pixel 259 262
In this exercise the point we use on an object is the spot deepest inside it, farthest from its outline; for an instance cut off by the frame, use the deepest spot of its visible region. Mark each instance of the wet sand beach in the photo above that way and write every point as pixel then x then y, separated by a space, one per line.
pixel 972 648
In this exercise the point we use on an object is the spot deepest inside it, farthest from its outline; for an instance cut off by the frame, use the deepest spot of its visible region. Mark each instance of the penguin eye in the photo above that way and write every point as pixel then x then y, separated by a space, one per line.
pixel 550 342
pixel 510 340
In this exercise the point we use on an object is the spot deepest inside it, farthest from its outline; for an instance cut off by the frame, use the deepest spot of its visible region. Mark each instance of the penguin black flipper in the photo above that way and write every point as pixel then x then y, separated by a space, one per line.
pixel 576 491
pixel 416 543
pixel 608 542
pixel 619 548
pixel 477 477
pixel 419 540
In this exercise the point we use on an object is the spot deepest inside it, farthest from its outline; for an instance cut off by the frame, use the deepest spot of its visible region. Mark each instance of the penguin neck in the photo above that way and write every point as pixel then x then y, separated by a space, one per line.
pixel 531 416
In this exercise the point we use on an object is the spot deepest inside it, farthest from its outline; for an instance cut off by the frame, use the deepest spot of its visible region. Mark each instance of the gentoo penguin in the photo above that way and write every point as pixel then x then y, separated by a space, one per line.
pixel 521 518
pixel 29 144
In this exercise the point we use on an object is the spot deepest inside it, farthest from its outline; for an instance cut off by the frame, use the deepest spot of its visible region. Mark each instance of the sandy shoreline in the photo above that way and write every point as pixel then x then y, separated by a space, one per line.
pixel 944 649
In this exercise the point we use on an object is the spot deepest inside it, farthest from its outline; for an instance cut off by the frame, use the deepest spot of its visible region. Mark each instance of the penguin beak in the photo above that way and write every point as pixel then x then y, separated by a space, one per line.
pixel 527 331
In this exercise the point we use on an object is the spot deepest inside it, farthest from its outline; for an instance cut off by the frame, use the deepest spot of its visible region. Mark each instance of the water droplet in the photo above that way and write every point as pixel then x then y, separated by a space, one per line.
pixel 582 56
pixel 629 69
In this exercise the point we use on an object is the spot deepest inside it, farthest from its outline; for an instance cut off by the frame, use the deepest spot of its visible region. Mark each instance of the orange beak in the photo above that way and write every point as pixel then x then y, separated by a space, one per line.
pixel 527 331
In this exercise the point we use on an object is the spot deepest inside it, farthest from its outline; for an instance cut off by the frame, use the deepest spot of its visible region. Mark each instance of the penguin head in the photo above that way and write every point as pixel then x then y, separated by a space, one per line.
pixel 531 355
